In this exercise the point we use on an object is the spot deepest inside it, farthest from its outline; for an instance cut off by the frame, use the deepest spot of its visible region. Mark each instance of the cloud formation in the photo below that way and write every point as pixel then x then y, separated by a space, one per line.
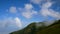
pixel 45 8
pixel 18 22
pixel 28 11
pixel 35 1
pixel 46 11
pixel 8 25
pixel 38 2
pixel 28 6
pixel 12 9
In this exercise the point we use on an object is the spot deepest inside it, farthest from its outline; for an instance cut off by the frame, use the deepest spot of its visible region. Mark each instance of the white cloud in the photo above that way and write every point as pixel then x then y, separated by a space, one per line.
pixel 10 24
pixel 28 14
pixel 28 11
pixel 36 1
pixel 54 14
pixel 18 22
pixel 28 6
pixel 46 11
pixel 47 5
pixel 13 9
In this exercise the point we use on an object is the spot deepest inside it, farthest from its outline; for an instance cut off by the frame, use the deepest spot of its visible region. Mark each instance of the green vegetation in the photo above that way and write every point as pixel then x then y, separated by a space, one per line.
pixel 32 29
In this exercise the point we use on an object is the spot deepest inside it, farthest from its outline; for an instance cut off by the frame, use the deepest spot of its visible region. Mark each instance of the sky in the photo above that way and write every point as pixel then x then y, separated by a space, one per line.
pixel 17 14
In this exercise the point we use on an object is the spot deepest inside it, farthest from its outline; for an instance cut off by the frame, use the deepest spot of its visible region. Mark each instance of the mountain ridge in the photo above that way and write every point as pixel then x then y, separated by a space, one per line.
pixel 31 29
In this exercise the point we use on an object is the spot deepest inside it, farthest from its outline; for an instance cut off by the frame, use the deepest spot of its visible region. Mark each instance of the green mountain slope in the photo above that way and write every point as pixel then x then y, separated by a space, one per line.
pixel 26 30
pixel 52 29
pixel 32 29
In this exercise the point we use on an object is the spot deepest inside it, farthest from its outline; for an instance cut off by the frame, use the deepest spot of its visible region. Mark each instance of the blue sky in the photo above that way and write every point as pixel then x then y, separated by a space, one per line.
pixel 17 14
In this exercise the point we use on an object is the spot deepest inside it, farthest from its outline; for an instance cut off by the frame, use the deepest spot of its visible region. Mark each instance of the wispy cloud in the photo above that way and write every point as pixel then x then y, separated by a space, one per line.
pixel 38 2
pixel 18 22
pixel 10 24
pixel 35 1
pixel 28 11
pixel 28 6
pixel 12 9
pixel 45 8
pixel 46 11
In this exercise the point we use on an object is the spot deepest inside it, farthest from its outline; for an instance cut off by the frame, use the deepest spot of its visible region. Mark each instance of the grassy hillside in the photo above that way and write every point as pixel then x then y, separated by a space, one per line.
pixel 52 29
pixel 27 30
pixel 31 29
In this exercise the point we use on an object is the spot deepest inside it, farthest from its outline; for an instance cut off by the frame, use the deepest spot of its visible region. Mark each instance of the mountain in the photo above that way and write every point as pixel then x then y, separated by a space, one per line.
pixel 40 28
pixel 52 29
